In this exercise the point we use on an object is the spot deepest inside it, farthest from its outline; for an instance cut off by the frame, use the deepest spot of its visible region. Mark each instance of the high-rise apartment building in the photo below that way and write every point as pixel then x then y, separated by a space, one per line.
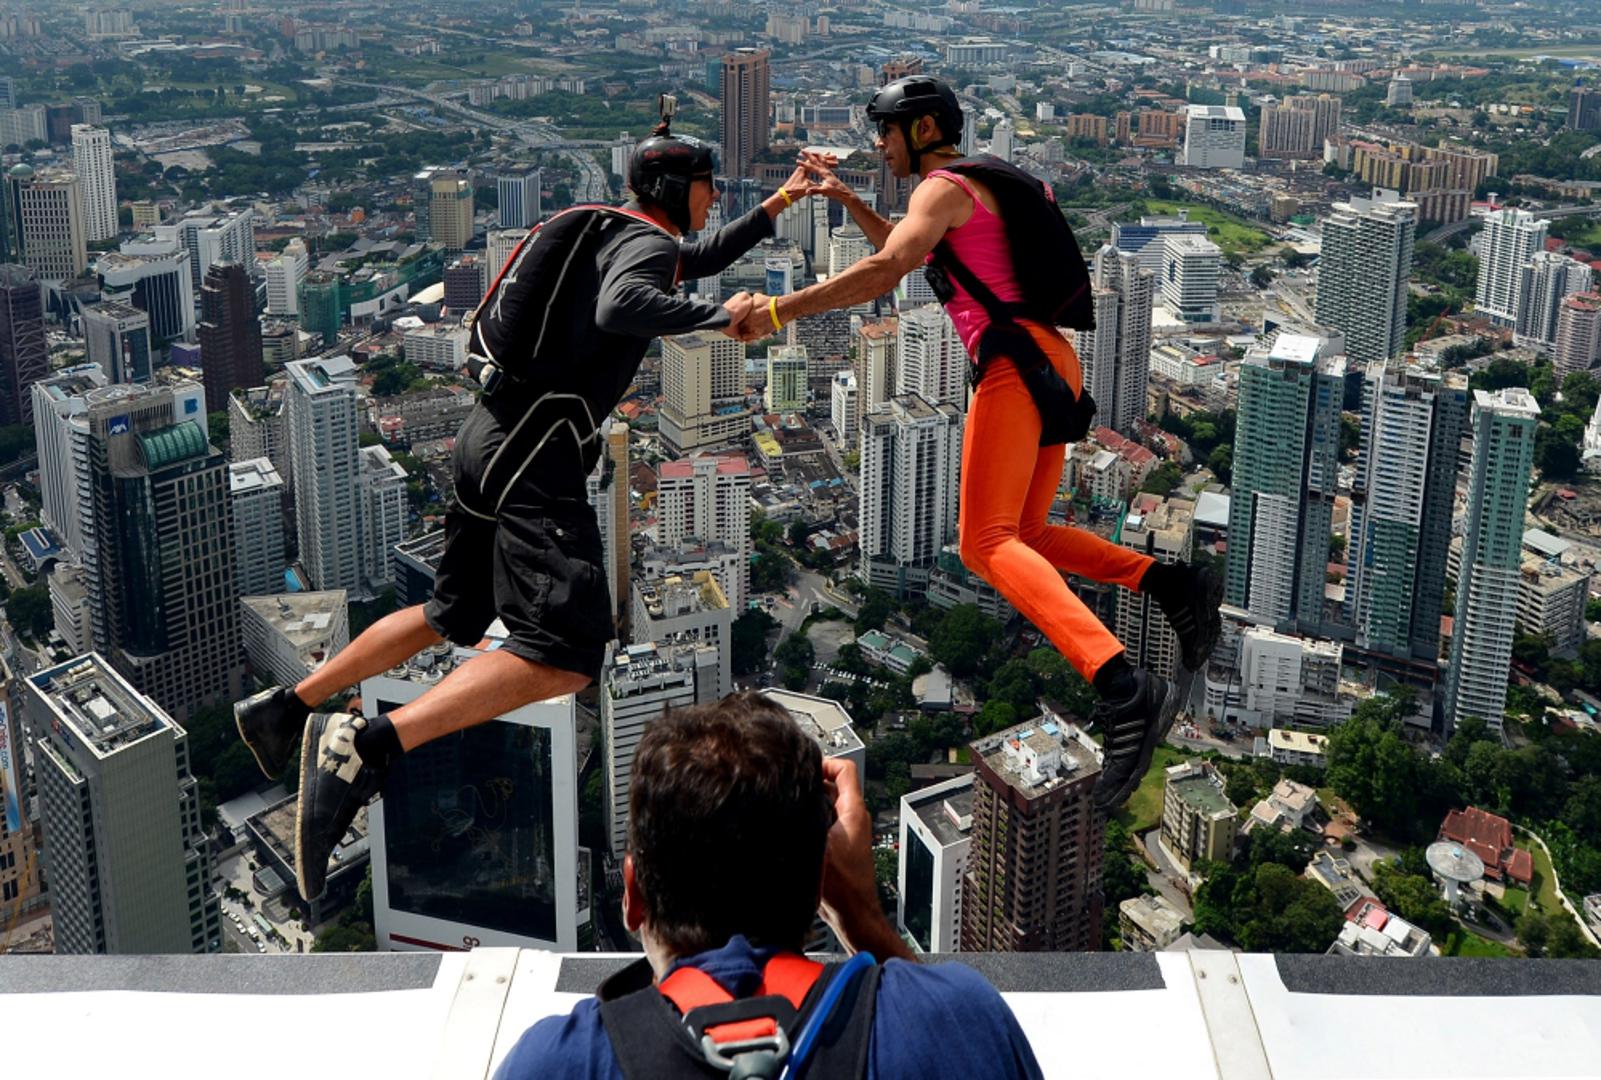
pixel 152 275
pixel 1003 139
pixel 158 546
pixel 24 355
pixel 1199 823
pixel 383 514
pixel 1413 421
pixel 1547 279
pixel 284 275
pixel 1033 879
pixel 91 160
pixel 1578 335
pixel 1190 268
pixel 1116 355
pixel 707 498
pixel 212 238
pixel 1214 137
pixel 464 284
pixel 117 337
pixel 320 415
pixel 229 333
pixel 475 840
pixel 746 84
pixel 677 609
pixel 130 865
pixel 936 827
pixel 933 363
pixel 1584 108
pixel 450 210
pixel 844 408
pixel 911 460
pixel 1145 239
pixel 877 363
pixel 1287 132
pixel 1504 423
pixel 640 683
pixel 61 432
pixel 19 861
pixel 256 491
pixel 1286 466
pixel 1398 94
pixel 786 378
pixel 1510 239
pixel 517 200
pixel 1362 283
pixel 703 392
pixel 48 207
pixel 499 245
pixel 1165 530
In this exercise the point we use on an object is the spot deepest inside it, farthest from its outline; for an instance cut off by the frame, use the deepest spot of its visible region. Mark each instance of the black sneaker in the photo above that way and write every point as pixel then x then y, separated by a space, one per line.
pixel 1191 601
pixel 334 785
pixel 1131 730
pixel 268 724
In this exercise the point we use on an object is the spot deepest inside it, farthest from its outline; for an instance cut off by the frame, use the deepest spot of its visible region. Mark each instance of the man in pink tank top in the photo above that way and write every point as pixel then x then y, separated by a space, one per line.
pixel 1008 479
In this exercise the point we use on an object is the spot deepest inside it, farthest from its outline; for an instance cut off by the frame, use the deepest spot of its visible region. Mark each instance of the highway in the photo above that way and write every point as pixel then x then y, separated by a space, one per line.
pixel 592 185
pixel 1444 231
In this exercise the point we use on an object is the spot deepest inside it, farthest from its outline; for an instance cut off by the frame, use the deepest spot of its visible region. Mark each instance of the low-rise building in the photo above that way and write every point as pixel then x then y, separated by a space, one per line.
pixel 886 651
pixel 1376 932
pixel 1489 836
pixel 1286 747
pixel 289 636
pixel 1199 823
pixel 437 348
pixel 1289 806
pixel 1334 874
pixel 1149 923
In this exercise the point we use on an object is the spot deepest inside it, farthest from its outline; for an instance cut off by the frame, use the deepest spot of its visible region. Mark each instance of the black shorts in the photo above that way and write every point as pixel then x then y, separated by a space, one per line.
pixel 516 552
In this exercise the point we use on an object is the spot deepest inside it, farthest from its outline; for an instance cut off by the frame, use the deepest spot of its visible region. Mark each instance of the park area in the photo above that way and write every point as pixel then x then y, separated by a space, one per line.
pixel 1231 233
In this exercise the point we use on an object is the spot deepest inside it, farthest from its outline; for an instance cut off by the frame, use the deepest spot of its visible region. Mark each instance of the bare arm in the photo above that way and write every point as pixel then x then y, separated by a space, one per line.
pixel 934 210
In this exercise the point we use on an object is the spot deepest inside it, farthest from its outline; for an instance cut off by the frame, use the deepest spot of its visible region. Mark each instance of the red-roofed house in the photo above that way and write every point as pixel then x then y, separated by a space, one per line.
pixel 1489 836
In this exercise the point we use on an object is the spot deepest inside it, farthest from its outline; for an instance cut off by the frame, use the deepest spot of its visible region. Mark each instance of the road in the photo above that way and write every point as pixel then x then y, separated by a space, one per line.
pixel 592 185
pixel 1455 227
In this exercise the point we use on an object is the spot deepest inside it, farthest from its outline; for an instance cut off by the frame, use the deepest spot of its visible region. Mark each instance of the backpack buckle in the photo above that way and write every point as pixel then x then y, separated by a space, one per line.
pixel 736 1053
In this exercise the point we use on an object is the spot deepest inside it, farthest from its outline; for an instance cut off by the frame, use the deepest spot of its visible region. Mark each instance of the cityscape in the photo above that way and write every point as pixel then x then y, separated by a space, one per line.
pixel 1345 270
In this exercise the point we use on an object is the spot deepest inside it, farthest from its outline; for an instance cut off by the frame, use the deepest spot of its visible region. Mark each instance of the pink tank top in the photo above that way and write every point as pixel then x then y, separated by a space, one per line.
pixel 981 245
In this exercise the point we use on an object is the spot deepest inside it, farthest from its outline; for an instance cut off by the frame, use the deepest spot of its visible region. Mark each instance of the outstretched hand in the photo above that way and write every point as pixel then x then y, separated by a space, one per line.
pixel 820 169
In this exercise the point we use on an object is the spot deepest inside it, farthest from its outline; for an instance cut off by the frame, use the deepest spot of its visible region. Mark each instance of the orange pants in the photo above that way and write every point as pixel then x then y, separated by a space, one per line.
pixel 1008 484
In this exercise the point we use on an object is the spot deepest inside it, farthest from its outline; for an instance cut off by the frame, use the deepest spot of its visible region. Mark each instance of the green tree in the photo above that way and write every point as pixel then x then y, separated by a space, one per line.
pixel 1014 684
pixel 771 571
pixel 794 657
pixel 1534 930
pixel 875 610
pixel 30 612
pixel 962 639
pixel 1414 897
pixel 994 716
pixel 1372 767
pixel 1163 479
pixel 748 647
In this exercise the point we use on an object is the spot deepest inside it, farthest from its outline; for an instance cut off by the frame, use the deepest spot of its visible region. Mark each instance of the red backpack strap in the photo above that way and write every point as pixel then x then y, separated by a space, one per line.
pixel 787 975
pixel 790 975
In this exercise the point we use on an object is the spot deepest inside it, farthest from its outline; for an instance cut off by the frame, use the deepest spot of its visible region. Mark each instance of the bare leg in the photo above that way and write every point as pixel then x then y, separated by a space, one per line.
pixel 483 688
pixel 391 640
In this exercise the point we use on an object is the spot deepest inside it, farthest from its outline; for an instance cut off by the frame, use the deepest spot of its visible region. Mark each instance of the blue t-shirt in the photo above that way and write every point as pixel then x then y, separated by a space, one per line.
pixel 915 1003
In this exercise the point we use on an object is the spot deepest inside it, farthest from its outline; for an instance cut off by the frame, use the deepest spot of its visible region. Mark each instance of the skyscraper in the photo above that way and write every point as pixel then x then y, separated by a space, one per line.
pixel 1190 266
pixel 383 514
pixel 61 432
pixel 640 682
pixel 1413 421
pixel 159 547
pixel 152 275
pixel 91 160
pixel 609 495
pixel 1145 239
pixel 1286 464
pixel 229 333
pixel 1214 137
pixel 1003 139
pixel 117 337
pixel 1584 108
pixel 1510 239
pixel 1487 588
pixel 843 409
pixel 936 825
pixel 130 865
pixel 703 392
pixel 1578 340
pixel 450 210
pixel 19 880
pixel 501 243
pixel 24 356
pixel 50 211
pixel 786 378
pixel 746 82
pixel 708 498
pixel 517 199
pixel 320 411
pixel 1165 530
pixel 1033 880
pixel 256 491
pixel 933 363
pixel 911 457
pixel 1362 283
pixel 1547 279
pixel 212 238
pixel 1116 355
pixel 464 284
pixel 877 364
pixel 284 275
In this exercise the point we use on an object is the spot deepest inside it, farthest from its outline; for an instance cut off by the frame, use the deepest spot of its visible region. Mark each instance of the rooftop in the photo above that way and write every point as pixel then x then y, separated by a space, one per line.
pixel 945 809
pixel 1197 787
pixel 303 618
pixel 675 595
pixel 257 474
pixel 1299 742
pixel 98 705
pixel 822 718
pixel 1038 756
pixel 426 550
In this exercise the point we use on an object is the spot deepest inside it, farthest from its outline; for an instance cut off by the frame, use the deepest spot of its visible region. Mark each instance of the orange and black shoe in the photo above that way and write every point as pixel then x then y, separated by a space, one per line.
pixel 1131 730
pixel 1189 595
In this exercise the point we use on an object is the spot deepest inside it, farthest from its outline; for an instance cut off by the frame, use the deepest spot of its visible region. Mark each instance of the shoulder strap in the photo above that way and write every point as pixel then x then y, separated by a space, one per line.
pixel 848 1035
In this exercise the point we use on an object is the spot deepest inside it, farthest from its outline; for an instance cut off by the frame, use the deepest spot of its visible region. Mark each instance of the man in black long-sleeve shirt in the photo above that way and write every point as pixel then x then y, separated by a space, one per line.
pixel 521 543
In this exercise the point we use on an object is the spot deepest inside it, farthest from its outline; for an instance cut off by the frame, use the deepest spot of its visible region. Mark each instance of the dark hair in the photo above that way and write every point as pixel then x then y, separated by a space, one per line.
pixel 728 818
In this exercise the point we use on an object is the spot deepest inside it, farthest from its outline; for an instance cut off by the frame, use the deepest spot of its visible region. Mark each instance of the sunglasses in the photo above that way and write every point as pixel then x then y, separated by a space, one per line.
pixel 884 128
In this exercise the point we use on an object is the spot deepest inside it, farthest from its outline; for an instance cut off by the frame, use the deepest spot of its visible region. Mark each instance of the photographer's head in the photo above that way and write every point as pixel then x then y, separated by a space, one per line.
pixel 728 819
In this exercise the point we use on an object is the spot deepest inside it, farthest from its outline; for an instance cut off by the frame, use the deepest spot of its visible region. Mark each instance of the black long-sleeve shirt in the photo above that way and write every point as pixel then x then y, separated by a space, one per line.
pixel 621 297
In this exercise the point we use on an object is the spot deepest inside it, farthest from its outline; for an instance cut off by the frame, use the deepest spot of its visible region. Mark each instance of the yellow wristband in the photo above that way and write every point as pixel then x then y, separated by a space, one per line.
pixel 772 311
pixel 789 200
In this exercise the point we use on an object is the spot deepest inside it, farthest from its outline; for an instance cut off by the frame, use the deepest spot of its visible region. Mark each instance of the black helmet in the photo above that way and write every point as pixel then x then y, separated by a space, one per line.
pixel 904 100
pixel 661 168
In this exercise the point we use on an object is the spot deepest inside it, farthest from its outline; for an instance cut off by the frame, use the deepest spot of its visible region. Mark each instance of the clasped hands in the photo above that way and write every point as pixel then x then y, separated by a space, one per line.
pixel 752 316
